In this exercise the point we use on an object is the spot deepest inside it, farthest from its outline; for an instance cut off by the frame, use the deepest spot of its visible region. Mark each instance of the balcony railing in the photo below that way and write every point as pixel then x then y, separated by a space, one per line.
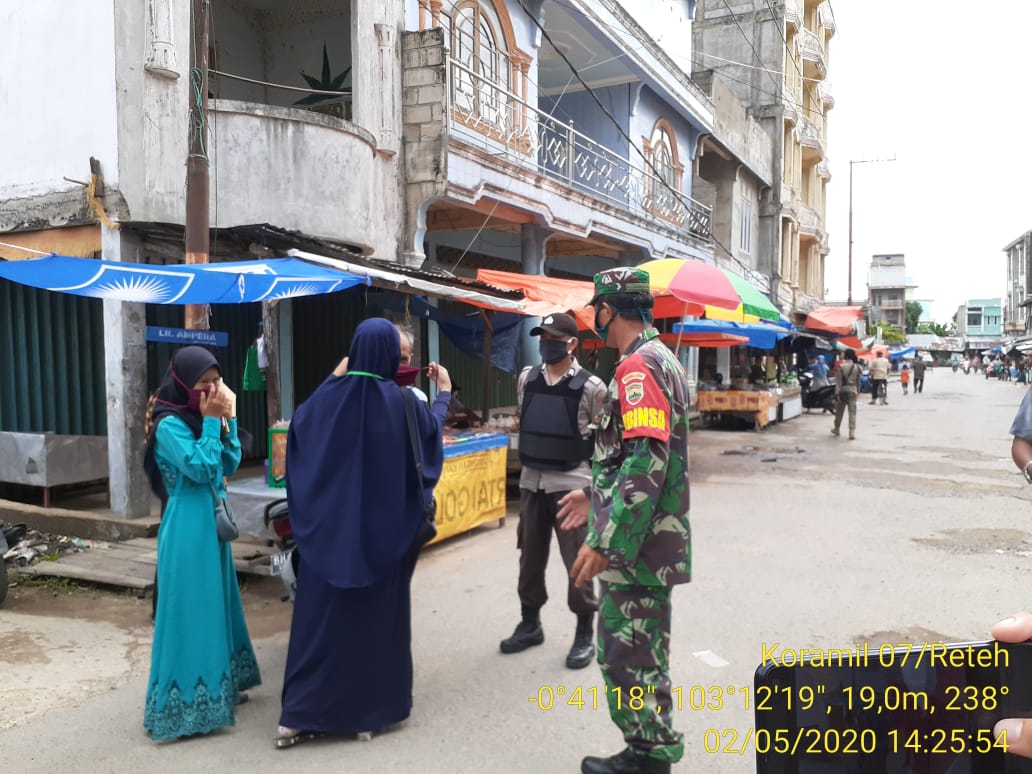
pixel 811 48
pixel 827 94
pixel 811 132
pixel 826 16
pixel 794 13
pixel 512 128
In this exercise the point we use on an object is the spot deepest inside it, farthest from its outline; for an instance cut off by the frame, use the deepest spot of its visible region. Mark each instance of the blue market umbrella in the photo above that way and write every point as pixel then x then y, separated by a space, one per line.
pixel 236 282
pixel 760 335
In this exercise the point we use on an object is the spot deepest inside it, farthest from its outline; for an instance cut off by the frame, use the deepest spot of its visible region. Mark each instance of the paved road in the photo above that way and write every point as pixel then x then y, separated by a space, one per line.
pixel 918 530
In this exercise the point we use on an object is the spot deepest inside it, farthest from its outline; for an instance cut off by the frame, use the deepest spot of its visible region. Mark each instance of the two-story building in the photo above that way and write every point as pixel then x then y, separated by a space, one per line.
pixel 980 323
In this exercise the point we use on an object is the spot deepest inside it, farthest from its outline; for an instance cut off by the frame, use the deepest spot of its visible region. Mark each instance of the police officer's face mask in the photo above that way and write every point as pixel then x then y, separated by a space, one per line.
pixel 553 352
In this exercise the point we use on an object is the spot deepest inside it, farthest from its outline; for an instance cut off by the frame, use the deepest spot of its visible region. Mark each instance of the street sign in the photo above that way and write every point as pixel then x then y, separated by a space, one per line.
pixel 183 336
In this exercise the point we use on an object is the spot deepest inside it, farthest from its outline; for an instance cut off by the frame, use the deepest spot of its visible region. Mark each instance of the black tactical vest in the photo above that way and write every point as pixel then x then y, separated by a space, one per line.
pixel 550 437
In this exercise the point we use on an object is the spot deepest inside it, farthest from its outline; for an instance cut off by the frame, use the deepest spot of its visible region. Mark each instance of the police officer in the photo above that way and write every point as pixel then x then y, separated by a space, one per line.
pixel 557 401
pixel 639 539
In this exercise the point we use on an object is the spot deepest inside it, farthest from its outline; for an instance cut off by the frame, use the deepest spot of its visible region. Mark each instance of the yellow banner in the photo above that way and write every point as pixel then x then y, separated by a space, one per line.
pixel 471 491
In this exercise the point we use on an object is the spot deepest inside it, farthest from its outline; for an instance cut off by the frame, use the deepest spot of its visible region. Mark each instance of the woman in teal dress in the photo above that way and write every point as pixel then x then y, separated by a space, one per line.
pixel 201 659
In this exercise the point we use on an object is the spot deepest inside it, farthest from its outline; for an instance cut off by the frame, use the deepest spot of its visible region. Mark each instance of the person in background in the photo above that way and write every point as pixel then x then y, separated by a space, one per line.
pixel 557 401
pixel 880 379
pixel 904 377
pixel 407 373
pixel 819 368
pixel 357 511
pixel 201 659
pixel 639 539
pixel 757 373
pixel 847 387
pixel 919 375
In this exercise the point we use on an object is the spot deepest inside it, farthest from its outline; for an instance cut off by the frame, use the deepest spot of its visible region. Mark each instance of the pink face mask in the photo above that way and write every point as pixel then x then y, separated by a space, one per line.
pixel 194 401
pixel 406 375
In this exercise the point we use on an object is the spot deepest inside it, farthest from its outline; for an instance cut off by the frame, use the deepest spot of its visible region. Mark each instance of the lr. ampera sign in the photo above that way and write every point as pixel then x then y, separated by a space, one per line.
pixel 183 336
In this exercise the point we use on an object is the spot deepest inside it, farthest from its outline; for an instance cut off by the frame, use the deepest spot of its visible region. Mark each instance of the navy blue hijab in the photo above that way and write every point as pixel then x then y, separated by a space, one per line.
pixel 354 499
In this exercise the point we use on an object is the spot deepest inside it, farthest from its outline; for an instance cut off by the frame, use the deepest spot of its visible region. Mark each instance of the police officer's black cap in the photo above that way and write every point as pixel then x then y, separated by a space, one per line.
pixel 557 324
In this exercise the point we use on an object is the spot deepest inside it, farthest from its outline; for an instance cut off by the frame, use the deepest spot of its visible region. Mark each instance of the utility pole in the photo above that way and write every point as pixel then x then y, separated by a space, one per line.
pixel 195 237
pixel 849 298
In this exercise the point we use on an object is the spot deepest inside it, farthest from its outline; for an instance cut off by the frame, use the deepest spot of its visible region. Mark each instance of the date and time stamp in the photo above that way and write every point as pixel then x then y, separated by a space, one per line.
pixel 942 707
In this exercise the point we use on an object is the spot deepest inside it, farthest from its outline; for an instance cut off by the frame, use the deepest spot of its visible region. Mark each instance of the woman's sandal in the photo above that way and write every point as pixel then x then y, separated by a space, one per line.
pixel 288 737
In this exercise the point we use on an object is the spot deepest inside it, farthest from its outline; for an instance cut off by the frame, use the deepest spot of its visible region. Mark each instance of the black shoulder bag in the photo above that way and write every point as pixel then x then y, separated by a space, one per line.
pixel 428 529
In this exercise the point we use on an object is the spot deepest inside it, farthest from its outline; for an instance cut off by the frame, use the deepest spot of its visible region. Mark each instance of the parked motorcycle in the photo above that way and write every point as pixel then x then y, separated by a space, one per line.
pixel 822 397
pixel 284 563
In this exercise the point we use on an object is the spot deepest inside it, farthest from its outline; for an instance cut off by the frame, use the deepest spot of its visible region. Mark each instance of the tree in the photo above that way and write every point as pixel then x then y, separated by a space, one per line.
pixel 914 311
pixel 939 329
pixel 891 334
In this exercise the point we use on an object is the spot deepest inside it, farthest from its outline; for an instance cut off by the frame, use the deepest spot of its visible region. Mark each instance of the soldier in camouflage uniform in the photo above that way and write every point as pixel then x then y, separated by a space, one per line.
pixel 639 540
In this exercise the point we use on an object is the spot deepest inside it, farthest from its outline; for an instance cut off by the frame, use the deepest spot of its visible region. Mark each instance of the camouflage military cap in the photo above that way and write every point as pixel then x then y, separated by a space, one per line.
pixel 624 279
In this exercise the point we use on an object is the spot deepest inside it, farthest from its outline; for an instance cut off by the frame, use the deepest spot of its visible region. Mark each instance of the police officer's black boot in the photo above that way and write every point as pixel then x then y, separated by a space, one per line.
pixel 583 649
pixel 528 632
pixel 627 762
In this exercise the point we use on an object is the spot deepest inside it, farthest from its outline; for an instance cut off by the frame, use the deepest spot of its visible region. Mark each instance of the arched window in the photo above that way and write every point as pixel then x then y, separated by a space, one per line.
pixel 485 71
pixel 489 73
pixel 665 175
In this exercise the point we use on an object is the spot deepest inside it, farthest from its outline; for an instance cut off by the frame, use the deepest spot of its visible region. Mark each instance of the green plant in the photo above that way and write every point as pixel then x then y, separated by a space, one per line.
pixel 326 83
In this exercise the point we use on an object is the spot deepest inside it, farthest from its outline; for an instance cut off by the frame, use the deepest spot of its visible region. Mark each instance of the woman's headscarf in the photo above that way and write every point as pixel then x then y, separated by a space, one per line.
pixel 187 366
pixel 354 498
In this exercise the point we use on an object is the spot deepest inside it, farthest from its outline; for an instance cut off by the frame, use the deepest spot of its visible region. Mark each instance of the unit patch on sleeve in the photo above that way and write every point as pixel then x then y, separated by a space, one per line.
pixel 644 408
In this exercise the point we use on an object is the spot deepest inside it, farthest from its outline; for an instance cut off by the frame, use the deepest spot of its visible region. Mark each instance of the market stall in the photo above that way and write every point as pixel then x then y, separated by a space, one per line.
pixel 790 401
pixel 471 490
pixel 757 406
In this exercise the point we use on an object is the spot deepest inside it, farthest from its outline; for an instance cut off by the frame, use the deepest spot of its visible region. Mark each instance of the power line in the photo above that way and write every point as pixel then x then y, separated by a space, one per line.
pixel 748 40
pixel 678 195
pixel 727 77
pixel 781 32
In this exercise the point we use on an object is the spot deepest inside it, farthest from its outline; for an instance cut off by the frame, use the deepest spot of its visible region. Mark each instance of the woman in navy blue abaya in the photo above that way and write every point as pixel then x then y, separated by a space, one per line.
pixel 356 510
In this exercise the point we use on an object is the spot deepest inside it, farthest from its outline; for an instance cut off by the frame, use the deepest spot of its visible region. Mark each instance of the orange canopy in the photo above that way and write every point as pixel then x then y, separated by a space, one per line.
pixel 551 294
pixel 834 319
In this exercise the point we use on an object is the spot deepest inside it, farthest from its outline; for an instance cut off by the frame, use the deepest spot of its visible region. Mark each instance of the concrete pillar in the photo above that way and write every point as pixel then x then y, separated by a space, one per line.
pixel 532 252
pixel 125 369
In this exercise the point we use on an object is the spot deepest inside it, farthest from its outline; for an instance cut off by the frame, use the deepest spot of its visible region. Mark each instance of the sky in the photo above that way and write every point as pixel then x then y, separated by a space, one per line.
pixel 944 89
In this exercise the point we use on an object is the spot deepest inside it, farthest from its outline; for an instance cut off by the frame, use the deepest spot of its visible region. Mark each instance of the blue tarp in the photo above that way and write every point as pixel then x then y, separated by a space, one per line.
pixel 471 441
pixel 907 353
pixel 467 331
pixel 760 335
pixel 236 282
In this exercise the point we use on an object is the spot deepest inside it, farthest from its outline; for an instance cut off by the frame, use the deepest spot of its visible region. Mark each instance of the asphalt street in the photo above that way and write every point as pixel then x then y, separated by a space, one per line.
pixel 917 531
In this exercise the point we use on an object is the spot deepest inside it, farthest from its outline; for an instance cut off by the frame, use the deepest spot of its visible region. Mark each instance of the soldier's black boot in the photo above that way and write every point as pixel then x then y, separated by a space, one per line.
pixel 583 649
pixel 528 632
pixel 626 762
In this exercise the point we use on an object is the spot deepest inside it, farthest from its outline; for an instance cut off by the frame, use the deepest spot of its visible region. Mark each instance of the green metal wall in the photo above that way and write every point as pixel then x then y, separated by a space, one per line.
pixel 52 379
pixel 468 372
pixel 241 322
pixel 323 327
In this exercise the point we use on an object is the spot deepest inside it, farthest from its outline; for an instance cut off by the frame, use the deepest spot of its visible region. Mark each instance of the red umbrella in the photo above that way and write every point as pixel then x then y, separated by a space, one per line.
pixel 693 282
